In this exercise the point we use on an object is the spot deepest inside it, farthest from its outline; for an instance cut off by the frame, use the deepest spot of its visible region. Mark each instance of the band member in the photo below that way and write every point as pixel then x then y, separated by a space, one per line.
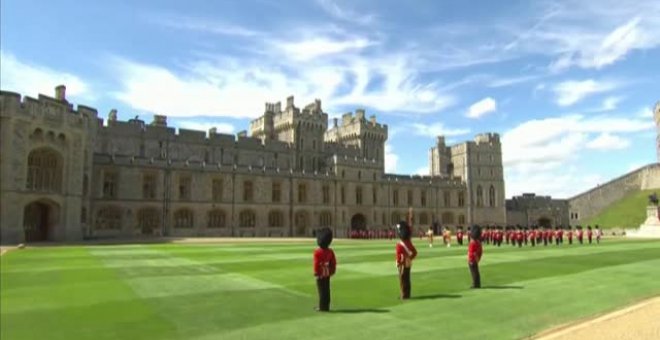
pixel 405 254
pixel 474 256
pixel 569 233
pixel 590 234
pixel 580 234
pixel 325 266
pixel 447 237
pixel 459 236
pixel 599 234
pixel 429 235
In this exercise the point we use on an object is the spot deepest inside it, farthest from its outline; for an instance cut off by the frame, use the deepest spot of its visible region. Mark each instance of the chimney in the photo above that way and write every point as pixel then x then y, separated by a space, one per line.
pixel 60 92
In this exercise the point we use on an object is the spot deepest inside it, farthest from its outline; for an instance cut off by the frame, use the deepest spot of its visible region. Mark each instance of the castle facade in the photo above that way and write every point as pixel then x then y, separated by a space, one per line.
pixel 68 175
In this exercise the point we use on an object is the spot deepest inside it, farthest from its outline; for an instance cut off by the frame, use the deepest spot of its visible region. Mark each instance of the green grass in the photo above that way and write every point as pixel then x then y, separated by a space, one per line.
pixel 267 291
pixel 628 212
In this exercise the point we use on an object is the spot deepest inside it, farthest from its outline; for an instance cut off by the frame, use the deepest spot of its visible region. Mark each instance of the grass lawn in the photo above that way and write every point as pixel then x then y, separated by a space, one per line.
pixel 628 212
pixel 267 291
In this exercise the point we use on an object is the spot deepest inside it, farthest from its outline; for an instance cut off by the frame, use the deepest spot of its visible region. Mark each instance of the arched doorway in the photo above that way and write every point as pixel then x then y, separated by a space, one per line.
pixel 358 222
pixel 148 221
pixel 545 222
pixel 39 219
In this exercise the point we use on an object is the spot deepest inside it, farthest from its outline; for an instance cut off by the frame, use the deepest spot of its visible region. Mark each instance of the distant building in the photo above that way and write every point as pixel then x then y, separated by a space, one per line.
pixel 67 175
pixel 530 210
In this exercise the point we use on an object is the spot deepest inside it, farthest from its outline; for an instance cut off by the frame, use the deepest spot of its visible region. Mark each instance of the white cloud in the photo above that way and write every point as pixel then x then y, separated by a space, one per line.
pixel 343 13
pixel 436 129
pixel 31 79
pixel 320 46
pixel 645 112
pixel 610 103
pixel 204 126
pixel 391 159
pixel 204 25
pixel 607 141
pixel 423 171
pixel 538 154
pixel 481 108
pixel 570 92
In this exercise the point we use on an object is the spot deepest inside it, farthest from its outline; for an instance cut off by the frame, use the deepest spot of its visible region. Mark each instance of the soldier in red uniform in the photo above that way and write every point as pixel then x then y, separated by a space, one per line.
pixel 590 234
pixel 474 256
pixel 459 235
pixel 405 254
pixel 325 266
pixel 569 233
pixel 580 234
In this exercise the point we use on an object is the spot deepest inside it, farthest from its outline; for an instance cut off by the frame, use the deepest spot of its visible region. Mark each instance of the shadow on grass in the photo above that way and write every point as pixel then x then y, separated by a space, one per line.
pixel 436 296
pixel 502 287
pixel 359 310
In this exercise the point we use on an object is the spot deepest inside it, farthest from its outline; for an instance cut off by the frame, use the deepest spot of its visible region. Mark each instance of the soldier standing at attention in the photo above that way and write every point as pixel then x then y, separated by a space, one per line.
pixel 459 235
pixel 325 266
pixel 590 234
pixel 599 234
pixel 405 254
pixel 474 256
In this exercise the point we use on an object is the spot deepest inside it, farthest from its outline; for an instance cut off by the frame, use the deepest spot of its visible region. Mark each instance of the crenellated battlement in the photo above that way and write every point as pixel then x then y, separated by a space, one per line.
pixel 487 138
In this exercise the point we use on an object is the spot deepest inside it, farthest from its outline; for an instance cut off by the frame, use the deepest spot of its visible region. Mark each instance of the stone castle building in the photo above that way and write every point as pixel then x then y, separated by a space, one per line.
pixel 530 209
pixel 68 175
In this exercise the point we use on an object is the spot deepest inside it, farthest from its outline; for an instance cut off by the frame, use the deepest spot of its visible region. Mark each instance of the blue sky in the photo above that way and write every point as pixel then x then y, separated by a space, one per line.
pixel 569 85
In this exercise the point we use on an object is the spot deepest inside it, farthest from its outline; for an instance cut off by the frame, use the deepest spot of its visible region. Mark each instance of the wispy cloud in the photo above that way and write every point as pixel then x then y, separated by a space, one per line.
pixel 205 26
pixel 436 129
pixel 317 47
pixel 32 79
pixel 391 159
pixel 572 91
pixel 333 8
pixel 608 141
pixel 481 108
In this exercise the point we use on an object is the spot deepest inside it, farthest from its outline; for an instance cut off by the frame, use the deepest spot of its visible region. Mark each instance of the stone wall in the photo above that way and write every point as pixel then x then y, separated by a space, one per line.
pixel 592 202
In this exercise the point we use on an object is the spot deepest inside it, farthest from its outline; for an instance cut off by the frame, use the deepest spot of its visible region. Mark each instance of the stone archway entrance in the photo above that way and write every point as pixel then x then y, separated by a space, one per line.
pixel 545 222
pixel 358 222
pixel 39 219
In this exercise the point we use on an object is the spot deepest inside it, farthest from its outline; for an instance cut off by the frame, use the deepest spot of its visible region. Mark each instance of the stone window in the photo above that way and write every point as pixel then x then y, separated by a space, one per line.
pixel 183 218
pixel 447 198
pixel 461 219
pixel 395 218
pixel 276 192
pixel 275 219
pixel 461 199
pixel 110 183
pixel 217 219
pixel 491 196
pixel 247 219
pixel 410 198
pixel 395 197
pixel 447 218
pixel 248 192
pixel 423 198
pixel 148 220
pixel 216 189
pixel 185 183
pixel 343 195
pixel 83 215
pixel 358 195
pixel 374 194
pixel 480 196
pixel 359 174
pixel 148 186
pixel 325 219
pixel 85 189
pixel 302 193
pixel 108 218
pixel 423 218
pixel 326 194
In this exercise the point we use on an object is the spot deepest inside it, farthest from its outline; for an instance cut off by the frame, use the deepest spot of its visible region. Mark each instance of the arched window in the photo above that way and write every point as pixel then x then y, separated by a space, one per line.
pixel 216 219
pixel 85 185
pixel 247 191
pixel 423 218
pixel 461 199
pixel 275 219
pixel 358 195
pixel 325 219
pixel 246 219
pixel 108 218
pixel 183 218
pixel 491 196
pixel 148 220
pixel 44 171
pixel 461 219
pixel 480 196
pixel 302 193
pixel 447 218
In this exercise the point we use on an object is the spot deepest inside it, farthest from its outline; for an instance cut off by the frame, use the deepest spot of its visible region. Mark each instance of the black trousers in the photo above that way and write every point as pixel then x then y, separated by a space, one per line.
pixel 476 278
pixel 404 282
pixel 323 286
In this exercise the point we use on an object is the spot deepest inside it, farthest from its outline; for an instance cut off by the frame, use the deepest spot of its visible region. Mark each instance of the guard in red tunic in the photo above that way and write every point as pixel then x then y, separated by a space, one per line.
pixel 590 234
pixel 474 256
pixel 569 233
pixel 405 254
pixel 580 234
pixel 325 266
pixel 459 235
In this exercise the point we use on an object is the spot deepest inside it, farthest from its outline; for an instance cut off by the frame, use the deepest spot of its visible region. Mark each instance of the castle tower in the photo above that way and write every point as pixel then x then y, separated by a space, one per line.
pixel 440 159
pixel 479 164
pixel 656 116
pixel 368 136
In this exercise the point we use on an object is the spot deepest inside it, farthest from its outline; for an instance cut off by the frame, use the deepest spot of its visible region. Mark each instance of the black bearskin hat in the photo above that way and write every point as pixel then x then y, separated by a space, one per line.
pixel 403 229
pixel 324 237
pixel 475 232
